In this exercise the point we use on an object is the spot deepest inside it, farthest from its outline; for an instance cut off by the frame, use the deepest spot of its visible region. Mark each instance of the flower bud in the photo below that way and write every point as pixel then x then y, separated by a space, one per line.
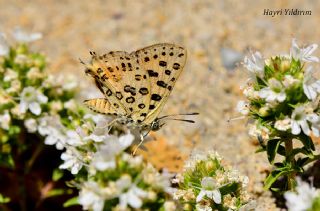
pixel 285 65
pixel 263 112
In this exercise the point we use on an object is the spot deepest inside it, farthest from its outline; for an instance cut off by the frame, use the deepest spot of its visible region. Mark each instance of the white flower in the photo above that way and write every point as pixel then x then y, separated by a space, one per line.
pixel 303 54
pixel 169 206
pixel 73 138
pixel 283 124
pixel 311 86
pixel 133 197
pixel 302 199
pixel 31 98
pixel 200 207
pixel 34 73
pixel 209 189
pixel 15 86
pixel 10 75
pixel 23 36
pixel 72 160
pixel 104 158
pixel 274 92
pixel 52 128
pixel 89 197
pixel 255 65
pixel 31 125
pixel 250 206
pixel 100 130
pixel 300 118
pixel 70 104
pixel 289 81
pixel 256 130
pixel 243 107
pixel 4 47
pixel 5 120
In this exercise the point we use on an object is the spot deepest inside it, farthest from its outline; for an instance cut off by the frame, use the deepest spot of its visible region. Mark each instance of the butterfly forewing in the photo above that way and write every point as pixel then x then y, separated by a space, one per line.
pixel 124 83
pixel 163 64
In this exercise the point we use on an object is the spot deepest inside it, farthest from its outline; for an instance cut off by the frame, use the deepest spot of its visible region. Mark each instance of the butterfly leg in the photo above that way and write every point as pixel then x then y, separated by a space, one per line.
pixel 137 147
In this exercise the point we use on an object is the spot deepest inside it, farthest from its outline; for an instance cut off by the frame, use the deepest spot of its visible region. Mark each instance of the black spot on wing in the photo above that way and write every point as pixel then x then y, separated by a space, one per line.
pixel 156 97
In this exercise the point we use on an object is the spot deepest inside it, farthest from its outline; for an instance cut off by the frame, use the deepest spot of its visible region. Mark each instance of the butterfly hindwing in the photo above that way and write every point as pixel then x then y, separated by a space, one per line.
pixel 101 105
pixel 163 63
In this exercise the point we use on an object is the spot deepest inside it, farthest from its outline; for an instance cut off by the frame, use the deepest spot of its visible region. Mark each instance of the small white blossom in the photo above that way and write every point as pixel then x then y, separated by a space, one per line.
pixel 73 138
pixel 255 65
pixel 104 158
pixel 243 107
pixel 274 92
pixel 23 36
pixel 209 188
pixel 5 120
pixel 70 104
pixel 34 73
pixel 200 207
pixel 132 197
pixel 52 128
pixel 260 130
pixel 10 75
pixel 169 206
pixel 300 118
pixel 100 129
pixel 303 54
pixel 15 86
pixel 283 124
pixel 289 81
pixel 302 199
pixel 72 160
pixel 89 197
pixel 311 86
pixel 31 125
pixel 31 98
pixel 4 47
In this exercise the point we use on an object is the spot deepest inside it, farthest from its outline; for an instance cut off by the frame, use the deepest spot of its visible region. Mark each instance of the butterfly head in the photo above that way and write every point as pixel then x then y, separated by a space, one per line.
pixel 156 124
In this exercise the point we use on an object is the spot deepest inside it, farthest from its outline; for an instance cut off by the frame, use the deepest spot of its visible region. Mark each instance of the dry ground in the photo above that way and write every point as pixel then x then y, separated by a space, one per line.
pixel 72 28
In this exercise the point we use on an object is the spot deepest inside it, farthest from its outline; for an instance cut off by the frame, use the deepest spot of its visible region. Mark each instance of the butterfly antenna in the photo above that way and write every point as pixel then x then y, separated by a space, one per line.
pixel 82 62
pixel 183 120
pixel 235 118
pixel 186 114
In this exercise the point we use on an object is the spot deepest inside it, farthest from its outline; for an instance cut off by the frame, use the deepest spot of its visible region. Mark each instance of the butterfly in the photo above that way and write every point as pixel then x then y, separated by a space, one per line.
pixel 136 85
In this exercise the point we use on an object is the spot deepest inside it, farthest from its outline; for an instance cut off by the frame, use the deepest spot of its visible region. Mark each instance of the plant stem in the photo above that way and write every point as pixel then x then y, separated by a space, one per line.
pixel 290 159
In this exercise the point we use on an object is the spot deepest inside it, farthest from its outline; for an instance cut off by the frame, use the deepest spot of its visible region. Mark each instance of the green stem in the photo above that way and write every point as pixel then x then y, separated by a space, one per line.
pixel 290 159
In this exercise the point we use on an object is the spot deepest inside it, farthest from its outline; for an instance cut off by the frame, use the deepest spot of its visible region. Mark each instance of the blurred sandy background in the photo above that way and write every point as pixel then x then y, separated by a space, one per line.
pixel 216 34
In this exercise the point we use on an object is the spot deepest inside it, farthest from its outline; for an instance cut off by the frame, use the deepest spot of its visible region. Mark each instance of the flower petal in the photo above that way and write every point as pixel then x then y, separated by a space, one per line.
pixel 200 195
pixel 295 128
pixel 35 108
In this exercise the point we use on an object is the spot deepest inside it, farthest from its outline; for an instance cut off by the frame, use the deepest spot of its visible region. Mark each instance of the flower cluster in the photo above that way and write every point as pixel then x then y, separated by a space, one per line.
pixel 304 198
pixel 283 101
pixel 30 100
pixel 282 92
pixel 206 185
pixel 108 176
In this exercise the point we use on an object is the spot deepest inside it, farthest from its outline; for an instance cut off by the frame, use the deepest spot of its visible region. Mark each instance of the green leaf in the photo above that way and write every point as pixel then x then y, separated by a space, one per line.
pixel 307 142
pixel 229 188
pixel 71 202
pixel 272 149
pixel 274 175
pixel 57 174
pixel 58 192
pixel 4 199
